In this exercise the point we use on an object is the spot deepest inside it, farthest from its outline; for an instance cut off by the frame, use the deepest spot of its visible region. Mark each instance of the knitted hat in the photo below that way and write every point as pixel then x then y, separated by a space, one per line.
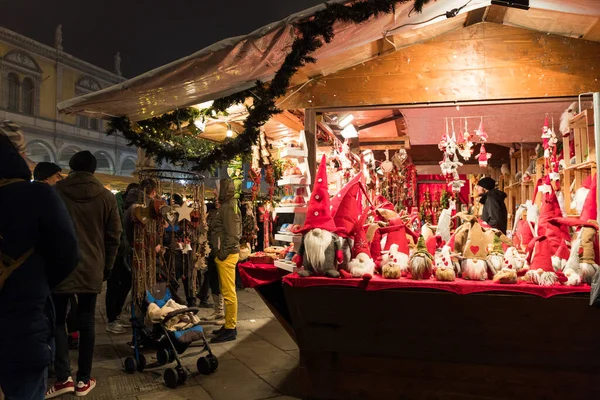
pixel 554 234
pixel 360 242
pixel 542 256
pixel 497 247
pixel 487 183
pixel 83 161
pixel 590 207
pixel 475 247
pixel 318 214
pixel 45 170
pixel 422 248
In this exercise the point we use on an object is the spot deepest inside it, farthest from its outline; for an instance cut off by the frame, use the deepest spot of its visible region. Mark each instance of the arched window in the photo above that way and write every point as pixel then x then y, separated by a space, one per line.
pixel 128 167
pixel 28 96
pixel 13 92
pixel 104 163
pixel 39 152
pixel 65 156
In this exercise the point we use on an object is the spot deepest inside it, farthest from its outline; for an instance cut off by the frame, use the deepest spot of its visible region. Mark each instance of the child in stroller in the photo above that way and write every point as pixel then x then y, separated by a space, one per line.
pixel 174 329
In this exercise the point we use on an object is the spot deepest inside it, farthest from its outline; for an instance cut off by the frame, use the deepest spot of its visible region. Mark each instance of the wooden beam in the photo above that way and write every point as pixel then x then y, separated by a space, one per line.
pixel 290 120
pixel 400 123
pixel 594 32
pixel 485 61
pixel 476 16
pixel 379 122
pixel 496 14
pixel 310 132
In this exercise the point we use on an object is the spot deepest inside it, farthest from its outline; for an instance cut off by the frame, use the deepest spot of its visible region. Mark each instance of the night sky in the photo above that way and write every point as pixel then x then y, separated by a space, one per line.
pixel 147 36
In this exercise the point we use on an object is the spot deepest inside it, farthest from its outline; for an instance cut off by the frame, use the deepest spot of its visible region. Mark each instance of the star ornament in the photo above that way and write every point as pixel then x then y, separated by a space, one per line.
pixel 361 243
pixel 184 212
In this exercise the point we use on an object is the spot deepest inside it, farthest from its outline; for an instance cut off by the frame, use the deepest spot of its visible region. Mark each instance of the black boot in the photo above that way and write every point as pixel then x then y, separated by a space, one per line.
pixel 226 335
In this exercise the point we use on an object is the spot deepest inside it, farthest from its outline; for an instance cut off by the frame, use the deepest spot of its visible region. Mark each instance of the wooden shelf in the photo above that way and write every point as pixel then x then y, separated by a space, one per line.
pixel 291 152
pixel 286 265
pixel 289 238
pixel 290 210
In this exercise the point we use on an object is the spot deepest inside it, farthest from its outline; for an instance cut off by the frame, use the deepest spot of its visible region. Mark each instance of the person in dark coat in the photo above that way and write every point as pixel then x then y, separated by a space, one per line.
pixel 494 208
pixel 47 172
pixel 119 283
pixel 95 216
pixel 33 218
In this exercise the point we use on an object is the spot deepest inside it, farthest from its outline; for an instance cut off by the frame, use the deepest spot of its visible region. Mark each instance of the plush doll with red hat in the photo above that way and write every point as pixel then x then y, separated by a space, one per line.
pixel 320 249
pixel 445 269
pixel 361 265
pixel 394 264
pixel 539 260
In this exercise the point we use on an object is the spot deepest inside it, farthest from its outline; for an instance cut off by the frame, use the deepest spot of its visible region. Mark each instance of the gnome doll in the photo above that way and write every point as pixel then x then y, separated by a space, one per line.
pixel 320 248
pixel 394 264
pixel 361 265
pixel 444 268
pixel 483 157
pixel 495 258
pixel 474 265
pixel 539 261
pixel 420 264
pixel 346 206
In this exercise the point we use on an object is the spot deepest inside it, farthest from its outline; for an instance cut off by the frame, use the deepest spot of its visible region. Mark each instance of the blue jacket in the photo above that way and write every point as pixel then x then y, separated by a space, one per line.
pixel 32 215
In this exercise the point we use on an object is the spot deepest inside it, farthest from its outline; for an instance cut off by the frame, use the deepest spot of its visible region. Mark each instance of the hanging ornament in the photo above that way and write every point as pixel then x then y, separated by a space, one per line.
pixel 466 148
pixel 483 157
pixel 387 166
pixel 400 158
pixel 480 132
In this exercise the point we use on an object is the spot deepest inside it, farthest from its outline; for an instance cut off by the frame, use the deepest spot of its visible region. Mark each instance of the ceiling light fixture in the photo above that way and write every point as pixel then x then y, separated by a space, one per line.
pixel 349 132
pixel 346 120
pixel 229 131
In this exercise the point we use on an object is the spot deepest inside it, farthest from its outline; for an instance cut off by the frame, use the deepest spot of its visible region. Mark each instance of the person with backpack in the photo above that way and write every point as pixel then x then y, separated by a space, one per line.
pixel 38 250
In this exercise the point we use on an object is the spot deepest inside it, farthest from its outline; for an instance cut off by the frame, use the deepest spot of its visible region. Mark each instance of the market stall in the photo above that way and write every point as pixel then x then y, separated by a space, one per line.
pixel 374 256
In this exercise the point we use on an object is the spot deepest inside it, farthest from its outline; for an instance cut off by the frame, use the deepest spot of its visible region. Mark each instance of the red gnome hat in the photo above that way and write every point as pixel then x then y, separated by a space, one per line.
pixel 318 214
pixel 347 206
pixel 555 234
pixel 360 242
pixel 396 234
pixel 590 207
pixel 542 259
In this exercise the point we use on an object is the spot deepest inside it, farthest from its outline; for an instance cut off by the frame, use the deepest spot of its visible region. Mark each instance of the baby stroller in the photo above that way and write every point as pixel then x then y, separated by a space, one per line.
pixel 169 344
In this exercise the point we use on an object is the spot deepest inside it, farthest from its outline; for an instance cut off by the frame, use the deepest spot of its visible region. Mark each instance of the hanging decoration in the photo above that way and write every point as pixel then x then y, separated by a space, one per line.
pixel 483 156
pixel 465 147
pixel 157 137
pixel 449 164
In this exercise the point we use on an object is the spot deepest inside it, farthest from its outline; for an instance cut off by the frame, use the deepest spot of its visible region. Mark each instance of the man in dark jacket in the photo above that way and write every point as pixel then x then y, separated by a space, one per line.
pixel 95 216
pixel 494 209
pixel 225 242
pixel 38 221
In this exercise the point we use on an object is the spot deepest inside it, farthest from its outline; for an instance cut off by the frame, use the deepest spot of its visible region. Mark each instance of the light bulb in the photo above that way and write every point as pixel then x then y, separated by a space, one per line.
pixel 229 133
pixel 349 132
pixel 346 120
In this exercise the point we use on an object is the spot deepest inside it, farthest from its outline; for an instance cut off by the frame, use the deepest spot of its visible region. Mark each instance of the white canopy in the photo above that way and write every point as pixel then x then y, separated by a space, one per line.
pixel 234 64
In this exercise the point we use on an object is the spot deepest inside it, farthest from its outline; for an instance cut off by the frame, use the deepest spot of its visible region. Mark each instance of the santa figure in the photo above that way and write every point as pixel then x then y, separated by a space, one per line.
pixel 483 157
pixel 320 249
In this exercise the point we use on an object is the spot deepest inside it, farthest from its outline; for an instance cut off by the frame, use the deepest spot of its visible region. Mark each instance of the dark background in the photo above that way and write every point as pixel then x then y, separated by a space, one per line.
pixel 147 33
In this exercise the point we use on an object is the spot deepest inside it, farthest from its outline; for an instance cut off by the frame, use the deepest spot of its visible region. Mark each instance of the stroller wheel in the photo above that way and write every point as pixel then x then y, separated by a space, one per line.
pixel 162 356
pixel 141 363
pixel 204 366
pixel 181 375
pixel 214 362
pixel 130 365
pixel 170 376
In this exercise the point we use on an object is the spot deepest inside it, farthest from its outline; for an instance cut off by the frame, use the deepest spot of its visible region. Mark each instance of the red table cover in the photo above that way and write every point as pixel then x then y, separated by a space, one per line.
pixel 459 286
pixel 254 275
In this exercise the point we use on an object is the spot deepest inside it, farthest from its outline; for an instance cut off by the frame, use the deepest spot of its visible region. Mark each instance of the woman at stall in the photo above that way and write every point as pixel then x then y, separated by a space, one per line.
pixel 494 209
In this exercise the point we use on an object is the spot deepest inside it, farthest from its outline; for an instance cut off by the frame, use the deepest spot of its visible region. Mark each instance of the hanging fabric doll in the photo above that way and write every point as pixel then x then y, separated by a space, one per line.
pixel 480 132
pixel 320 248
pixel 483 157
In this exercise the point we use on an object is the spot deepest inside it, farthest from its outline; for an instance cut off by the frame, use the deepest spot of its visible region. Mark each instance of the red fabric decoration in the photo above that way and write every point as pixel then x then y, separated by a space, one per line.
pixel 396 234
pixel 459 286
pixel 254 275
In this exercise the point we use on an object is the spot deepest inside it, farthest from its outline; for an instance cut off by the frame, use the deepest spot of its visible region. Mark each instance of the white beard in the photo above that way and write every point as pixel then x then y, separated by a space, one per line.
pixel 316 243
pixel 362 264
pixel 541 277
pixel 474 269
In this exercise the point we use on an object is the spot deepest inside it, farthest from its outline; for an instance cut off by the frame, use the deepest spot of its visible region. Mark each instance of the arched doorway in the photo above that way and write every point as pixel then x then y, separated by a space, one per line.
pixel 39 152
pixel 127 167
pixel 65 156
pixel 105 164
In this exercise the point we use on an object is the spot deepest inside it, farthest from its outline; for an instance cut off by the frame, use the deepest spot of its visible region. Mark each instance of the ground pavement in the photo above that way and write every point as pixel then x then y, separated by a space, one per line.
pixel 260 364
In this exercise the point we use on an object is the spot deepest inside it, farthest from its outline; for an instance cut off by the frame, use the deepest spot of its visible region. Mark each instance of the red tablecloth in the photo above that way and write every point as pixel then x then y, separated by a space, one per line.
pixel 459 286
pixel 254 275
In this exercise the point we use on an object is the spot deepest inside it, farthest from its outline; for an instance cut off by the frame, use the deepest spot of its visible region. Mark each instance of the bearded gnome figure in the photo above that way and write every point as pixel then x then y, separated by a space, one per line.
pixel 320 249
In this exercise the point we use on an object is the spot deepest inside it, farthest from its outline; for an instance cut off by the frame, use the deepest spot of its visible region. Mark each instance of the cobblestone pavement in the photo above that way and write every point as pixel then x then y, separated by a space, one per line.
pixel 260 364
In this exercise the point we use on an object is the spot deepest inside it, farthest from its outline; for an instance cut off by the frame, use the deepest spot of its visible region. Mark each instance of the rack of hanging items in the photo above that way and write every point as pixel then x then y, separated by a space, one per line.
pixel 168 227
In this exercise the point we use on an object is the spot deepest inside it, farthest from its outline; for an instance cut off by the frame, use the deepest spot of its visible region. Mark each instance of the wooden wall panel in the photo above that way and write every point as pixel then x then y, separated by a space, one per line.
pixel 481 62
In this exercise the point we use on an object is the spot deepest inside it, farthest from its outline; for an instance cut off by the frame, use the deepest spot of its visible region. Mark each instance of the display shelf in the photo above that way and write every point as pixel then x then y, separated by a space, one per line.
pixel 286 265
pixel 285 237
pixel 290 210
pixel 293 180
pixel 292 152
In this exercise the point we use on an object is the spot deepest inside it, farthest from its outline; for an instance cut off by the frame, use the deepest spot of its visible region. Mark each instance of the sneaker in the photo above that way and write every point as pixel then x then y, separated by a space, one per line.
pixel 60 388
pixel 226 335
pixel 217 331
pixel 83 389
pixel 115 328
pixel 125 322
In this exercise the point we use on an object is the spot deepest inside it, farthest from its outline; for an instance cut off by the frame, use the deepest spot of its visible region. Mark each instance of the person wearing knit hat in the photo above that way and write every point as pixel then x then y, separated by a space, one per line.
pixel 84 161
pixel 494 212
pixel 47 172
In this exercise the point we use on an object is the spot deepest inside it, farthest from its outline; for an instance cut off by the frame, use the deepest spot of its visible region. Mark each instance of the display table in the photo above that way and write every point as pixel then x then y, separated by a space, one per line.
pixel 415 340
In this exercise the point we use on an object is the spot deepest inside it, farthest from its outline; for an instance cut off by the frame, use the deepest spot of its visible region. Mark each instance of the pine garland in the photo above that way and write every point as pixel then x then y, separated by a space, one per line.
pixel 158 138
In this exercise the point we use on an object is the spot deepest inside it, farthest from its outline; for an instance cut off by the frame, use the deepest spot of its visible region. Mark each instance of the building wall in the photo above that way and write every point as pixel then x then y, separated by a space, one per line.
pixel 57 76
